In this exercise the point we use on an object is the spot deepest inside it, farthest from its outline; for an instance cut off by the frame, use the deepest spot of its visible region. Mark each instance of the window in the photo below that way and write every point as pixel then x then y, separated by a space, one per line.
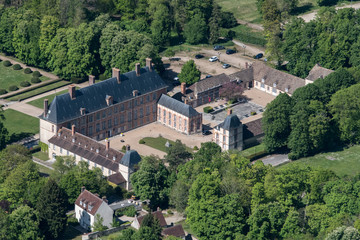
pixel 274 90
pixel 174 121
pixel 52 128
pixel 154 95
pixel 83 131
pixel 154 108
pixel 67 152
pixel 141 112
pixel 109 123
pixel 89 163
pixel 129 104
pixel 148 98
pixel 135 114
pixel 185 125
pixel 141 100
pixel 135 102
pixel 60 150
pixel 103 125
pixel 109 111
pixel 122 107
pixel 180 123
pixel 164 115
pixel 97 116
pixel 122 118
pixel 83 121
pixel 147 110
pixel 115 109
pixel 129 116
pixel 104 114
pixel 169 118
pixel 116 121
pixel 75 156
pixel 109 172
pixel 102 168
pixel 256 83
pixel 54 147
pixel 268 88
pixel 97 127
pixel 159 114
pixel 94 164
pixel 262 85
pixel 91 118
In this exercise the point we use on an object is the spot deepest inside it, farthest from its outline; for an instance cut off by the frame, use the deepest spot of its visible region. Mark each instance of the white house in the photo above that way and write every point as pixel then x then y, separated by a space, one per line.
pixel 87 205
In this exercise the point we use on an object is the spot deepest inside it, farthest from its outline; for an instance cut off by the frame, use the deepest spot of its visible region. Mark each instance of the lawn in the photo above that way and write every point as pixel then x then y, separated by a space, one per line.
pixel 9 77
pixel 254 151
pixel 249 35
pixel 159 143
pixel 71 234
pixel 41 155
pixel 44 170
pixel 20 125
pixel 40 101
pixel 345 162
pixel 245 9
pixel 39 90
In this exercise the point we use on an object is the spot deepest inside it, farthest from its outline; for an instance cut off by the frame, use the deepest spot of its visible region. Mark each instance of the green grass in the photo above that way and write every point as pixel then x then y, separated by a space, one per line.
pixel 249 35
pixel 253 151
pixel 159 143
pixel 40 101
pixel 242 9
pixel 39 90
pixel 186 227
pixel 44 170
pixel 346 162
pixel 9 77
pixel 41 155
pixel 20 125
pixel 71 234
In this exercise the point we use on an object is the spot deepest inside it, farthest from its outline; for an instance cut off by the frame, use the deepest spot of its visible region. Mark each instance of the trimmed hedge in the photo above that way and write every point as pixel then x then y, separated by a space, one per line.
pixel 2 91
pixel 13 88
pixel 208 109
pixel 17 67
pixel 25 84
pixel 7 63
pixel 36 74
pixel 77 80
pixel 27 71
pixel 253 113
pixel 35 80
pixel 141 141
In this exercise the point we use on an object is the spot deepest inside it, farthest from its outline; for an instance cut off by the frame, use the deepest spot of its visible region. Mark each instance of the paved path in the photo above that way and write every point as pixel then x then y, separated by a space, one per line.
pixel 275 159
pixel 46 164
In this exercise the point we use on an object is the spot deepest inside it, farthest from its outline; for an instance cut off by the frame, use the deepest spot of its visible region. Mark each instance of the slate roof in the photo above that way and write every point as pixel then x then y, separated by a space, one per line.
pixel 252 129
pixel 87 148
pixel 282 80
pixel 90 200
pixel 93 97
pixel 177 106
pixel 158 215
pixel 209 83
pixel 130 159
pixel 116 178
pixel 176 231
pixel 245 75
pixel 318 72
pixel 232 121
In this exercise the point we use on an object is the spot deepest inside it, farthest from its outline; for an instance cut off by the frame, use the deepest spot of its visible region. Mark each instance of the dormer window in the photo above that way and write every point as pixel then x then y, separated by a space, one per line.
pixel 114 158
pixel 97 150
pixel 81 202
pixel 59 134
pixel 79 143
pixel 274 85
pixel 263 80
pixel 73 140
pixel 92 148
pixel 286 90
pixel 107 155
pixel 90 207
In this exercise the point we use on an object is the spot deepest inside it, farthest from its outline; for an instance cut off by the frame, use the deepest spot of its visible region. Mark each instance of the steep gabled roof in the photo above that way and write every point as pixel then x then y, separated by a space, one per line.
pixel 232 121
pixel 245 75
pixel 158 215
pixel 89 202
pixel 209 83
pixel 130 159
pixel 177 106
pixel 176 231
pixel 93 97
pixel 318 72
pixel 252 129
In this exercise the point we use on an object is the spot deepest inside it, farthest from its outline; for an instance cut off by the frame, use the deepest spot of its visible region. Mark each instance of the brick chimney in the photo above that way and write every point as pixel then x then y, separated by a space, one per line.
pixel 46 107
pixel 116 74
pixel 82 188
pixel 149 64
pixel 137 69
pixel 246 65
pixel 72 130
pixel 107 144
pixel 229 111
pixel 127 147
pixel 72 92
pixel 91 79
pixel 183 88
pixel 135 93
pixel 186 101
pixel 104 199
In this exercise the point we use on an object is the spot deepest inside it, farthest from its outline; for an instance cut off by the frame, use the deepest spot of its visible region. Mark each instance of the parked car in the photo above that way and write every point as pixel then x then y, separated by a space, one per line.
pixel 176 79
pixel 198 56
pixel 225 65
pixel 218 47
pixel 258 56
pixel 208 76
pixel 230 51
pixel 213 59
pixel 206 132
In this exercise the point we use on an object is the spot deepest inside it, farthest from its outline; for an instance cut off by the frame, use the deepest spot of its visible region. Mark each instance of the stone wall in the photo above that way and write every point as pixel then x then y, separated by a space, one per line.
pixel 95 235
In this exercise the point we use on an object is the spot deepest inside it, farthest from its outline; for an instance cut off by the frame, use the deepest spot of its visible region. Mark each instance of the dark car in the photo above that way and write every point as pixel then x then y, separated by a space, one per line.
pixel 218 47
pixel 206 132
pixel 225 65
pixel 198 56
pixel 230 51
pixel 208 76
pixel 260 55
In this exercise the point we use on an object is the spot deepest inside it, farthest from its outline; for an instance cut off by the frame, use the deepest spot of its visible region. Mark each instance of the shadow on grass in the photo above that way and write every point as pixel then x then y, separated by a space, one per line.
pixel 303 9
pixel 18 136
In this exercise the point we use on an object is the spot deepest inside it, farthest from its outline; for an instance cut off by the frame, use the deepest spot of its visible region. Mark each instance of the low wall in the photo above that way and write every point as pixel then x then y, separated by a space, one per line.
pixel 95 235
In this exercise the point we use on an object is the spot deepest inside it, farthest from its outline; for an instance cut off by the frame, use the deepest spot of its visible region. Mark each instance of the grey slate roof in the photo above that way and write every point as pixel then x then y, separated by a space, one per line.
pixel 93 97
pixel 318 72
pixel 245 75
pixel 130 158
pixel 232 121
pixel 209 83
pixel 177 106
pixel 252 129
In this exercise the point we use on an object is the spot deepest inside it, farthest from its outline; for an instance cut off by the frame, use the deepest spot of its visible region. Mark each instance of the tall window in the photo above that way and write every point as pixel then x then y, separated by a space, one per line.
pixel 135 114
pixel 109 123
pixel 98 127
pixel 141 112
pixel 97 116
pixel 122 107
pixel 154 95
pixel 90 130
pixel 180 123
pixel 104 114
pixel 122 118
pixel 103 125
pixel 170 118
pixel 91 118
pixel 174 121
pixel 159 114
pixel 148 98
pixel 164 115
pixel 147 110
pixel 129 116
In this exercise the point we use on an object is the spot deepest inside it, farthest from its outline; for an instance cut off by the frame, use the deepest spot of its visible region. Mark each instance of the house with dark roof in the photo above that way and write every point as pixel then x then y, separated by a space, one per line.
pixel 317 72
pixel 115 165
pixel 157 214
pixel 101 110
pixel 88 205
pixel 252 133
pixel 178 115
pixel 176 231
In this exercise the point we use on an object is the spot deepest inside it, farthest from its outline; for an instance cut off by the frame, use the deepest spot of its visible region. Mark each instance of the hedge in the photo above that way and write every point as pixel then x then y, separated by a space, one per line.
pixel 35 80
pixel 36 74
pixel 141 141
pixel 77 80
pixel 27 71
pixel 25 84
pixel 2 91
pixel 13 88
pixel 44 147
pixel 7 63
pixel 17 67
pixel 208 109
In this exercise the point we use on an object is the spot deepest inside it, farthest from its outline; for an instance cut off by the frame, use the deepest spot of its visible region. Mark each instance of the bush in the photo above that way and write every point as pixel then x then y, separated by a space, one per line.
pixel 103 77
pixel 17 67
pixel 253 113
pixel 196 148
pixel 13 88
pixel 141 141
pixel 7 63
pixel 2 91
pixel 77 80
pixel 27 71
pixel 208 109
pixel 170 212
pixel 72 221
pixel 35 80
pixel 36 74
pixel 169 53
pixel 25 84
pixel 123 148
pixel 127 211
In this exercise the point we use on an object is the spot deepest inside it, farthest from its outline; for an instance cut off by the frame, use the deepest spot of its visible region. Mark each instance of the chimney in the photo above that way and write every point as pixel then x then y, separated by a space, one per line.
pixel 82 188
pixel 72 130
pixel 229 111
pixel 246 65
pixel 183 88
pixel 127 147
pixel 137 69
pixel 46 107
pixel 104 199
pixel 82 111
pixel 135 93
pixel 91 79
pixel 116 74
pixel 72 92
pixel 107 144
pixel 109 100
pixel 186 101
pixel 149 64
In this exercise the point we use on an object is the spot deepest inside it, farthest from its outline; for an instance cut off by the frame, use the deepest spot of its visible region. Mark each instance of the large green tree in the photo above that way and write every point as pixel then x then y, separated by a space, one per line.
pixel 195 31
pixel 189 73
pixel 177 154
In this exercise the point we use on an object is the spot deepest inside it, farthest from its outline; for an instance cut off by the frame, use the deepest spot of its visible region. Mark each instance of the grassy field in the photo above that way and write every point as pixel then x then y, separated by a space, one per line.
pixel 40 101
pixel 20 125
pixel 254 151
pixel 9 77
pixel 44 170
pixel 245 9
pixel 71 234
pixel 346 162
pixel 159 143
pixel 41 155
pixel 39 90
pixel 248 35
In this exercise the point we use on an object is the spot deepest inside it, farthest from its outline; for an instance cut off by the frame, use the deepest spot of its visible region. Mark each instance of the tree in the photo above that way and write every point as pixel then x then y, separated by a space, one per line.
pixel 276 122
pixel 52 207
pixel 231 91
pixel 161 22
pixel 179 195
pixel 214 23
pixel 98 224
pixel 189 73
pixel 48 28
pixel 344 233
pixel 177 155
pixel 195 30
pixel 291 227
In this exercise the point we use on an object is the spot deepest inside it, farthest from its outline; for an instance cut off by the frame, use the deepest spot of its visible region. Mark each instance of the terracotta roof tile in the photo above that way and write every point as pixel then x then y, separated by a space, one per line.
pixel 116 178
pixel 252 129
pixel 318 72
pixel 176 231
pixel 158 215
pixel 89 202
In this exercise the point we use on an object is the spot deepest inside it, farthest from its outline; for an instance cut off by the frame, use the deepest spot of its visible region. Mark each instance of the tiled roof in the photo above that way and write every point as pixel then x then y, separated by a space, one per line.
pixel 272 76
pixel 158 215
pixel 232 121
pixel 209 83
pixel 318 72
pixel 176 231
pixel 245 75
pixel 116 178
pixel 87 148
pixel 89 202
pixel 177 106
pixel 93 97
pixel 130 159
pixel 252 129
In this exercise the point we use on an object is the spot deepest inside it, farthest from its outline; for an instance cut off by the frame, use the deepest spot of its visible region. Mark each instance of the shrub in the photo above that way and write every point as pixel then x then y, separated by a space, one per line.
pixel 208 109
pixel 13 88
pixel 170 212
pixel 123 148
pixel 27 71
pixel 25 84
pixel 7 63
pixel 72 221
pixel 77 80
pixel 196 148
pixel 253 113
pixel 127 211
pixel 17 67
pixel 141 141
pixel 36 74
pixel 103 77
pixel 35 80
pixel 169 53
pixel 2 91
